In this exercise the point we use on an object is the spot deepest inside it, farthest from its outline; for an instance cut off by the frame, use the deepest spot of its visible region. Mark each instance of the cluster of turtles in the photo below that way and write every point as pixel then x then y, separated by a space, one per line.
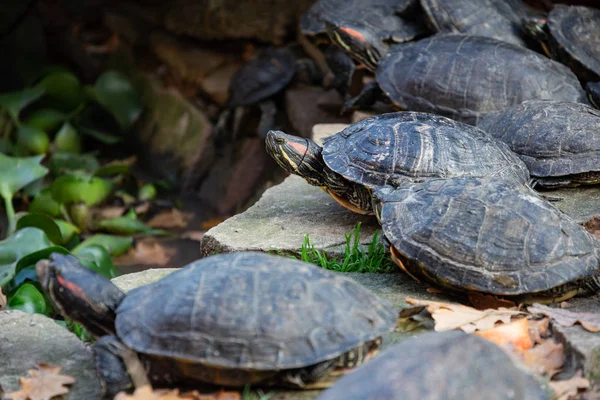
pixel 450 179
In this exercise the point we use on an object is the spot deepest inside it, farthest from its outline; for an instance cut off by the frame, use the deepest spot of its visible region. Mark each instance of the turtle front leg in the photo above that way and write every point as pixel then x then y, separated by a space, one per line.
pixel 367 97
pixel 119 367
pixel 309 377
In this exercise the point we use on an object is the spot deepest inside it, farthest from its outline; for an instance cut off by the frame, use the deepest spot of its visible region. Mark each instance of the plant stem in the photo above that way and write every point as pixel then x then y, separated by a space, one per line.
pixel 10 214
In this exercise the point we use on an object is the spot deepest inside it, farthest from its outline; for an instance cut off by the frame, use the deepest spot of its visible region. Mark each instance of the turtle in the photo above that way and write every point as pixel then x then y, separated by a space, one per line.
pixel 558 141
pixel 570 34
pixel 593 91
pixel 392 148
pixel 465 77
pixel 499 19
pixel 449 365
pixel 229 319
pixel 486 235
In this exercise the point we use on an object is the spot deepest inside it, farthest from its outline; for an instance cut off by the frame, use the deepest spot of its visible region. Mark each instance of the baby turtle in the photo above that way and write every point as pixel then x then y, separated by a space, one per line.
pixel 488 235
pixel 571 34
pixel 466 77
pixel 558 141
pixel 392 148
pixel 230 319
pixel 440 366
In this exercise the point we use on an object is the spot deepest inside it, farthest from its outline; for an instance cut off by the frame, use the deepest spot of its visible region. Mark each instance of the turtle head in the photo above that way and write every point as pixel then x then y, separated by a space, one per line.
pixel 298 156
pixel 537 29
pixel 593 92
pixel 79 293
pixel 359 41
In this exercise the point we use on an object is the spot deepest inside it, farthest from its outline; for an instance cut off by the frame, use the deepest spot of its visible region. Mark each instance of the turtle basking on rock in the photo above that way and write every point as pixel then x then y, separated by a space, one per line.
pixel 471 234
pixel 231 319
pixel 390 149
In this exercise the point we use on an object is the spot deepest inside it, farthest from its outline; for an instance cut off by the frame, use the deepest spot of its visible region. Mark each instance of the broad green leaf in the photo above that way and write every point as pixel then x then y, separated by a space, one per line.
pixel 67 230
pixel 45 203
pixel 46 119
pixel 62 90
pixel 112 169
pixel 147 192
pixel 61 163
pixel 70 189
pixel 67 139
pixel 127 226
pixel 79 214
pixel 100 136
pixel 115 245
pixel 116 94
pixel 44 71
pixel 43 222
pixel 28 299
pixel 27 263
pixel 14 102
pixel 6 146
pixel 96 258
pixel 17 246
pixel 35 140
pixel 16 172
pixel 26 274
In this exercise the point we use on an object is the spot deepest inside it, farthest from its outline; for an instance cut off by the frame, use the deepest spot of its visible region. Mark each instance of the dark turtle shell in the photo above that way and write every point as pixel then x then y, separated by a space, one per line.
pixel 392 148
pixel 576 30
pixel 251 311
pixel 499 19
pixel 448 365
pixel 267 74
pixel 487 235
pixel 557 140
pixel 466 77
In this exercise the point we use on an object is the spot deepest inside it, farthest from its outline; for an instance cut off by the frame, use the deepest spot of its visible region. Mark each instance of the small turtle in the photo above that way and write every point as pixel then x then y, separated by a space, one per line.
pixel 488 235
pixel 389 149
pixel 558 141
pixel 230 319
pixel 571 34
pixel 440 366
pixel 466 77
pixel 499 19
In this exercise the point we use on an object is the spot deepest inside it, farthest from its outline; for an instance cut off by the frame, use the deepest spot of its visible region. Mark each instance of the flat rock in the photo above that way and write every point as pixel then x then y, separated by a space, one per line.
pixel 581 203
pixel 27 339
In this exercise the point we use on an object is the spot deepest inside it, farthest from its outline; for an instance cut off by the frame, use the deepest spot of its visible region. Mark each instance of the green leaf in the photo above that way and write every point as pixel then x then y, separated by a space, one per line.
pixel 14 102
pixel 44 203
pixel 43 222
pixel 100 136
pixel 115 245
pixel 61 163
pixel 28 299
pixel 116 94
pixel 6 146
pixel 96 258
pixel 16 172
pixel 34 140
pixel 46 119
pixel 127 226
pixel 28 262
pixel 70 189
pixel 67 230
pixel 112 169
pixel 147 192
pixel 17 246
pixel 67 139
pixel 62 90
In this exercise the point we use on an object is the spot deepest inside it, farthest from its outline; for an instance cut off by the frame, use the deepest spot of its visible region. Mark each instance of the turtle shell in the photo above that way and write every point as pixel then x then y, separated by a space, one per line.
pixel 448 365
pixel 486 235
pixel 499 19
pixel 576 30
pixel 391 148
pixel 267 74
pixel 552 138
pixel 251 311
pixel 466 77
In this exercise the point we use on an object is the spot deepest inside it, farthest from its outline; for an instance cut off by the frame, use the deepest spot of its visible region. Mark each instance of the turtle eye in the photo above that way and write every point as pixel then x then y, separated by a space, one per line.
pixel 280 140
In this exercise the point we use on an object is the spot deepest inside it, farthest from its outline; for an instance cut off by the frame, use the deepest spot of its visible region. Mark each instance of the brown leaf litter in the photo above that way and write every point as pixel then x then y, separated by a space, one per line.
pixel 564 390
pixel 146 252
pixel 147 393
pixel 170 219
pixel 589 321
pixel 45 382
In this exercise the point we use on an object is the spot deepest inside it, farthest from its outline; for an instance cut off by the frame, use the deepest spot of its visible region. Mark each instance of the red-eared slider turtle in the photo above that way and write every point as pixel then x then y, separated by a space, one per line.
pixel 230 319
pixel 392 148
pixel 571 34
pixel 558 141
pixel 466 77
pixel 440 366
pixel 499 19
pixel 488 235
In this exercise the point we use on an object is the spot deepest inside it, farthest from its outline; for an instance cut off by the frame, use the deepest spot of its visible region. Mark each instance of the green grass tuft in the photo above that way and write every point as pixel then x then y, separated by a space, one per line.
pixel 248 394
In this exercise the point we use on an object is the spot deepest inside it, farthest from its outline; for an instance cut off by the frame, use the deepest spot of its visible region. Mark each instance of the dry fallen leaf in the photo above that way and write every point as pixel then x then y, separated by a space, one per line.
pixel 515 333
pixel 193 235
pixel 546 358
pixel 170 219
pixel 593 226
pixel 146 393
pixel 146 252
pixel 110 211
pixel 210 223
pixel 449 316
pixel 45 382
pixel 2 300
pixel 538 329
pixel 590 321
pixel 485 301
pixel 563 390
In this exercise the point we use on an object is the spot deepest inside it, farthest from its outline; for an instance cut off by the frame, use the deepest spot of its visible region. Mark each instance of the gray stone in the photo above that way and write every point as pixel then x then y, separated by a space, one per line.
pixel 27 339
pixel 581 203
pixel 136 279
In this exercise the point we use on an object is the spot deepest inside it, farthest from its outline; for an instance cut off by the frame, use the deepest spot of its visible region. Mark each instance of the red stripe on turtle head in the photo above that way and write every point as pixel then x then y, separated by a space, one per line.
pixel 73 288
pixel 354 33
pixel 300 148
